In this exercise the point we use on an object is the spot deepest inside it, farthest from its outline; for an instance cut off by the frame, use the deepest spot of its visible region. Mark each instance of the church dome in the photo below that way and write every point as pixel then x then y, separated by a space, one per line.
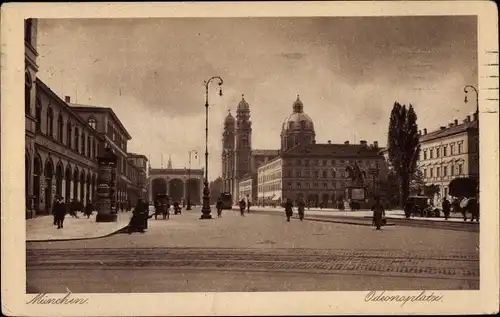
pixel 298 120
pixel 229 118
pixel 243 105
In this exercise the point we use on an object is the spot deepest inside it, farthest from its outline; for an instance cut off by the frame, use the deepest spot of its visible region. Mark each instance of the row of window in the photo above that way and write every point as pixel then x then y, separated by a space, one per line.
pixel 66 133
pixel 315 185
pixel 332 162
pixel 269 187
pixel 317 174
pixel 270 177
pixel 454 170
pixel 442 150
pixel 117 138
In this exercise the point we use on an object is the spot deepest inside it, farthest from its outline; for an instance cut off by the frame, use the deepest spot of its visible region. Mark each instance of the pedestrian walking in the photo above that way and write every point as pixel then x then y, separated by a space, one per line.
pixel 473 208
pixel 288 209
pixel 378 213
pixel 139 220
pixel 446 208
pixel 59 211
pixel 218 206
pixel 247 201
pixel 242 207
pixel 301 206
pixel 89 208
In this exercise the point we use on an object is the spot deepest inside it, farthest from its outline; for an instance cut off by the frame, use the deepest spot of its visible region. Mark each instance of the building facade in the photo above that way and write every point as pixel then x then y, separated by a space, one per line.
pixel 115 135
pixel 450 152
pixel 318 173
pixel 139 164
pixel 64 157
pixel 63 143
pixel 247 187
pixel 176 183
pixel 30 71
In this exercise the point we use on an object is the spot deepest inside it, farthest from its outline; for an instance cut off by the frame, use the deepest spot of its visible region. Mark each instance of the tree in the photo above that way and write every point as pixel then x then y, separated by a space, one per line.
pixel 403 145
pixel 389 188
pixel 417 183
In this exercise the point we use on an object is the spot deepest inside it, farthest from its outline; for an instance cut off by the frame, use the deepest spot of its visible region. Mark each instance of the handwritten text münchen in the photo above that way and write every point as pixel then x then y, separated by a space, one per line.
pixel 57 300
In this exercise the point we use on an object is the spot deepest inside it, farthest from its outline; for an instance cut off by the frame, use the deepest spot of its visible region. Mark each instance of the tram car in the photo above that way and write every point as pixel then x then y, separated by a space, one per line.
pixel 227 201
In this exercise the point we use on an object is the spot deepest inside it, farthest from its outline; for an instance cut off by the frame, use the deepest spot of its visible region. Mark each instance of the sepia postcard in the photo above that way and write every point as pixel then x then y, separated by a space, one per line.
pixel 250 158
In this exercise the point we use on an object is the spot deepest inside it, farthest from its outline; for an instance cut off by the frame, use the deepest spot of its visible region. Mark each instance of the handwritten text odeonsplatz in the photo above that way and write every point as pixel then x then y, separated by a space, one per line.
pixel 373 296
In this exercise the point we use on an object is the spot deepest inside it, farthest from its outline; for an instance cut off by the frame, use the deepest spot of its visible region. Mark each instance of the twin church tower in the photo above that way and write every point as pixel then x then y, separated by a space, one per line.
pixel 238 158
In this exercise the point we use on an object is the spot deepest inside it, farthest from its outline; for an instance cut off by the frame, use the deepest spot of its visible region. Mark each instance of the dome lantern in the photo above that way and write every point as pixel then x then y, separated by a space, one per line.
pixel 298 106
pixel 243 105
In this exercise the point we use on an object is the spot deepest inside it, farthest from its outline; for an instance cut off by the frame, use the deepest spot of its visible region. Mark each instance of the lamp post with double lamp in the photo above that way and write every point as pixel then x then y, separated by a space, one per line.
pixel 189 179
pixel 205 210
pixel 466 90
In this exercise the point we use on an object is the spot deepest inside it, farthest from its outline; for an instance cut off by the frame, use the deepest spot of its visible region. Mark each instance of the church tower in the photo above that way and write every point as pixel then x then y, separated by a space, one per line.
pixel 243 143
pixel 228 143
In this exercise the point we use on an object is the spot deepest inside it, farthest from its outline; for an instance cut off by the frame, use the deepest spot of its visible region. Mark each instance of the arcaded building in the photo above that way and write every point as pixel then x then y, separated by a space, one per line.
pixel 63 143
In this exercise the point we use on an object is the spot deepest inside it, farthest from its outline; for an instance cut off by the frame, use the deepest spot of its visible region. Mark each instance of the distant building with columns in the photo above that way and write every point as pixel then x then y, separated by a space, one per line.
pixel 179 183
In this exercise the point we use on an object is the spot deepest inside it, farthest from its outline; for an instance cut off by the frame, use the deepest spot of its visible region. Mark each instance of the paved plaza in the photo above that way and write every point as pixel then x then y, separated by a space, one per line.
pixel 258 252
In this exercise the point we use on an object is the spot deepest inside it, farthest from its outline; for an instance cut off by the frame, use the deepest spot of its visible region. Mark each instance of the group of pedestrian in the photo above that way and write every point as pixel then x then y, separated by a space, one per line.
pixel 244 205
pixel 60 209
pixel 301 206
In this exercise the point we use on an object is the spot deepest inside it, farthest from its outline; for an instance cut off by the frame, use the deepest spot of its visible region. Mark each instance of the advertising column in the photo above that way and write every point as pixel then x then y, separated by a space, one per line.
pixel 106 188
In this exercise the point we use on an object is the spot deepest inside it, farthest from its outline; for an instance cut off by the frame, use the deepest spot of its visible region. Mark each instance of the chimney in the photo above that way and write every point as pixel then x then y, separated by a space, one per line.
pixel 363 142
pixel 346 142
pixel 468 118
pixel 456 122
pixel 425 131
pixel 67 99
pixel 375 144
pixel 329 142
pixel 475 116
pixel 451 124
pixel 442 127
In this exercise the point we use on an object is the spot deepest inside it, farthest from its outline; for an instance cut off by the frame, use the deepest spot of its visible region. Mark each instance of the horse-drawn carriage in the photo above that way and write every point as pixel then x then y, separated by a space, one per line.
pixel 421 206
pixel 162 206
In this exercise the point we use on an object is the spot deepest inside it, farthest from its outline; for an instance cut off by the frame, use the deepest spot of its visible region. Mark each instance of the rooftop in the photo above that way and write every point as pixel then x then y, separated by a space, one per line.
pixel 265 152
pixel 88 108
pixel 448 131
pixel 336 150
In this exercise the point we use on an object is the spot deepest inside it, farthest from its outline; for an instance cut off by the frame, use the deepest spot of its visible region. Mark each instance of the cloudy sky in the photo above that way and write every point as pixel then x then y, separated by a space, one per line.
pixel 348 72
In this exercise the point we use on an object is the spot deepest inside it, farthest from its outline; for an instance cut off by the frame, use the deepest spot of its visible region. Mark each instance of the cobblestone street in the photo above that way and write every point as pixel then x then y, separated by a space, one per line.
pixel 193 254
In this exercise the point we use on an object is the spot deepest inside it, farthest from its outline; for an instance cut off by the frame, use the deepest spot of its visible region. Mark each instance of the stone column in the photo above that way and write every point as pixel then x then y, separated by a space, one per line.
pixel 84 198
pixel 63 189
pixel 71 189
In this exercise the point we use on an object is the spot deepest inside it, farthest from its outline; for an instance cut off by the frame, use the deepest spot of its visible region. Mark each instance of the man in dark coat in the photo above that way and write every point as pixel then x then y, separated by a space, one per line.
pixel 288 209
pixel 446 208
pixel 301 204
pixel 59 211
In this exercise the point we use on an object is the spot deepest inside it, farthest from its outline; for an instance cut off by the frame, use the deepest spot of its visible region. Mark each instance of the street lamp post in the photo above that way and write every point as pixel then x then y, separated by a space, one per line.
pixel 189 180
pixel 477 96
pixel 205 210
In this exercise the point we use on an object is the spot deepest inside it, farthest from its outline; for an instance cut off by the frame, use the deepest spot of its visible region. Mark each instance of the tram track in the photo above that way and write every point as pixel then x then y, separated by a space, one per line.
pixel 453 265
